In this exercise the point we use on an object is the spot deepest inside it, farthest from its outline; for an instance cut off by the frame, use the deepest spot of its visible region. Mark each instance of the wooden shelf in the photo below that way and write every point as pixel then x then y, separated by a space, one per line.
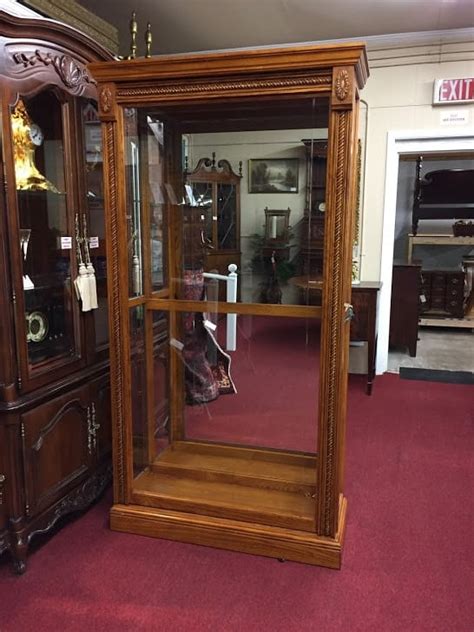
pixel 460 323
pixel 256 485
pixel 436 240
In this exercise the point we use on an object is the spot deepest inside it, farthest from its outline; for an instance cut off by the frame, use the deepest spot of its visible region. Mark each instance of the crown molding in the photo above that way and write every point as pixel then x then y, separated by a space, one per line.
pixel 67 12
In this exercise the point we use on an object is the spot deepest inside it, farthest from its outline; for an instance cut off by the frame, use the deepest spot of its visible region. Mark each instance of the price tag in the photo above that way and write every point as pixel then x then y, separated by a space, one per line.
pixel 176 344
pixel 93 242
pixel 422 298
pixel 66 243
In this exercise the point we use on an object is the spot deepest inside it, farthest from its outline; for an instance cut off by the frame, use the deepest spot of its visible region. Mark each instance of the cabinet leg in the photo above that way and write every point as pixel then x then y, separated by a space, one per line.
pixel 19 553
pixel 19 566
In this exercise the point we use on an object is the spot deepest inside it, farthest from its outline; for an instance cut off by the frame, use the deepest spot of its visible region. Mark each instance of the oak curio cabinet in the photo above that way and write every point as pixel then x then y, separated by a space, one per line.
pixel 228 415
pixel 54 384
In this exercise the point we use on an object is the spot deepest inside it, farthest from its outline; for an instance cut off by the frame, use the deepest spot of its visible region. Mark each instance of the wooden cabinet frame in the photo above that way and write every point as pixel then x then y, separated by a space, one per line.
pixel 336 73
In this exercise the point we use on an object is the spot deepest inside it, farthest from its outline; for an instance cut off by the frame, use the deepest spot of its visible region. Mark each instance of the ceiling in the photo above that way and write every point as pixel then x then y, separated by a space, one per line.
pixel 191 25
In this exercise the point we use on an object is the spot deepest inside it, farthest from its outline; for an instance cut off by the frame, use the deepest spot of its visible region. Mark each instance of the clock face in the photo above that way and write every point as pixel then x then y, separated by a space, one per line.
pixel 36 326
pixel 36 134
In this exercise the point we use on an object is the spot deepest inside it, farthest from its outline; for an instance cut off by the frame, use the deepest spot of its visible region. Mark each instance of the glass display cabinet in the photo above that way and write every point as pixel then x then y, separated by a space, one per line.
pixel 55 438
pixel 228 415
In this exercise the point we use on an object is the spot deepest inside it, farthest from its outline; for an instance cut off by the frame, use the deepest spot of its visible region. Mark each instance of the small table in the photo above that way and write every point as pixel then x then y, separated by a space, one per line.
pixel 364 300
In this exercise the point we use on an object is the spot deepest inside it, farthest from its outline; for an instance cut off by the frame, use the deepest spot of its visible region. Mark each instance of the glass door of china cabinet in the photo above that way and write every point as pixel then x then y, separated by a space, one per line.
pixel 44 245
pixel 92 222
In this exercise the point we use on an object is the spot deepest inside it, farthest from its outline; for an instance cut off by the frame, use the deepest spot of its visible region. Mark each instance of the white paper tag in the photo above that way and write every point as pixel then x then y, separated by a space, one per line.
pixel 422 298
pixel 176 344
pixel 66 243
pixel 210 325
pixel 93 242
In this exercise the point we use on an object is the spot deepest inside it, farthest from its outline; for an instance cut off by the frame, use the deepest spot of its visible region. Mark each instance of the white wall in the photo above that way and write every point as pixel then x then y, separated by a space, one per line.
pixel 399 98
pixel 242 146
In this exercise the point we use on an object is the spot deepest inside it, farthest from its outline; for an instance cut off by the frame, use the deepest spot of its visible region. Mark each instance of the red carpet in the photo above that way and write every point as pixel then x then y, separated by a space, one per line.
pixel 276 372
pixel 407 567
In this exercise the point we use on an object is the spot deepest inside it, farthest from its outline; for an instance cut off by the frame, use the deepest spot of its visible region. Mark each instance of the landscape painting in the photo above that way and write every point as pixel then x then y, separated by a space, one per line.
pixel 279 175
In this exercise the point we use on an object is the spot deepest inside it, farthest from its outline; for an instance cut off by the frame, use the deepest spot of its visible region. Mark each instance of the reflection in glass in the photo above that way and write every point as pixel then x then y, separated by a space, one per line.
pixel 277 263
pixel 231 378
pixel 44 235
pixel 150 407
pixel 138 388
pixel 132 176
pixel 262 394
pixel 95 224
pixel 146 197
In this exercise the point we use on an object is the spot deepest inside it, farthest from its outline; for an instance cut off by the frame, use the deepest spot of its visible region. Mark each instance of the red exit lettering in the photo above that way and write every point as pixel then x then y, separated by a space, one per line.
pixel 455 90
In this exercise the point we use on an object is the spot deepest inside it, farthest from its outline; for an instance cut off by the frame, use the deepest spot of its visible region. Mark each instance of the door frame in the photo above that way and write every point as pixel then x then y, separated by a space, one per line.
pixel 405 142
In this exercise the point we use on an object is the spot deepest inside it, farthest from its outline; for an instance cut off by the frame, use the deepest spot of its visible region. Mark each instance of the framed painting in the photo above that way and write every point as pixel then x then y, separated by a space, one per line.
pixel 273 175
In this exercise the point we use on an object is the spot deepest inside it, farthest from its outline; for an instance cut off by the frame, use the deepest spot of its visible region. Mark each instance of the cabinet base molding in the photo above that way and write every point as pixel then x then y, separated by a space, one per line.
pixel 77 500
pixel 233 535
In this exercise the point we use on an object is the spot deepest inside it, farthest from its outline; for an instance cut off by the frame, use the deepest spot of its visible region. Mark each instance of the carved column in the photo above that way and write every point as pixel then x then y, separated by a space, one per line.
pixel 336 293
pixel 115 205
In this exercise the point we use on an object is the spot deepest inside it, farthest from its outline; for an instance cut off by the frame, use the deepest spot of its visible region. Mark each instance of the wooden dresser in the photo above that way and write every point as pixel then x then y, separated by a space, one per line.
pixel 443 292
pixel 364 323
pixel 405 306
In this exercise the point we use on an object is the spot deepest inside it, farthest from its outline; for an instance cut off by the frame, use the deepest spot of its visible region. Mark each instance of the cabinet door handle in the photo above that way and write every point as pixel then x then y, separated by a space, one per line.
pixel 89 430
pixel 94 426
pixel 2 480
pixel 348 312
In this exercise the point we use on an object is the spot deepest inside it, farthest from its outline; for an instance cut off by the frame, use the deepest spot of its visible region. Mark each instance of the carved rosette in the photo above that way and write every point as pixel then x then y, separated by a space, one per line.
pixel 105 100
pixel 342 85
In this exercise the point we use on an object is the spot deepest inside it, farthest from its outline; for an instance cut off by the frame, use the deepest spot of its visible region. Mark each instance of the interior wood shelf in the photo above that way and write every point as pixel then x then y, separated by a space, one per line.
pixel 262 486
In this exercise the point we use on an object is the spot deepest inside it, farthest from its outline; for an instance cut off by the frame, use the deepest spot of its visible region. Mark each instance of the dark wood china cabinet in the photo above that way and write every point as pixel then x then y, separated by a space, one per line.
pixel 54 381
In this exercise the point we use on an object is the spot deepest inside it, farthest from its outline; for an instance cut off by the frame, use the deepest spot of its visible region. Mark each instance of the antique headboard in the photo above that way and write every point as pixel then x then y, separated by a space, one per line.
pixel 443 194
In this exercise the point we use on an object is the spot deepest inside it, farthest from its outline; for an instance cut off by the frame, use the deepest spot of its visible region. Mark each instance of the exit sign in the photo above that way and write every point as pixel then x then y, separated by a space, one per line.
pixel 454 90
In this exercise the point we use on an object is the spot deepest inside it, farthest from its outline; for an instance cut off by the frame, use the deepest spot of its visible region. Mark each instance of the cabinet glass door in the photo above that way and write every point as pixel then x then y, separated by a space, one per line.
pixel 92 220
pixel 45 232
pixel 226 217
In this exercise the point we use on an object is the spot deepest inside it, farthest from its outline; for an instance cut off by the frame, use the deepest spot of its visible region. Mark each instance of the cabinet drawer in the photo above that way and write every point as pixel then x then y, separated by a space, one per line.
pixel 438 282
pixel 454 292
pixel 455 280
pixel 438 302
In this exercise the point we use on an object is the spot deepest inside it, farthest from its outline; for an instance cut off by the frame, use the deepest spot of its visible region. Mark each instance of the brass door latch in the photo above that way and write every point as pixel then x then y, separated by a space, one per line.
pixel 348 312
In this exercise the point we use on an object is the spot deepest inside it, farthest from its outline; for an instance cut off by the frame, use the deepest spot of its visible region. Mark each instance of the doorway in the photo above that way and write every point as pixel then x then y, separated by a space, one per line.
pixel 406 143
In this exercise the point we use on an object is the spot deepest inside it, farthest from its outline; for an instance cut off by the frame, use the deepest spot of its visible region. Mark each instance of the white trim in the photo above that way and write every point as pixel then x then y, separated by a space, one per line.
pixel 405 142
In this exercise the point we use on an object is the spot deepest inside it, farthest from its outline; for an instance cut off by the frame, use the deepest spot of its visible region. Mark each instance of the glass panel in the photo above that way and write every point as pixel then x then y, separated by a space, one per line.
pixel 226 217
pixel 264 393
pixel 95 216
pixel 138 388
pixel 133 188
pixel 150 409
pixel 267 219
pixel 145 198
pixel 45 237
pixel 246 380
